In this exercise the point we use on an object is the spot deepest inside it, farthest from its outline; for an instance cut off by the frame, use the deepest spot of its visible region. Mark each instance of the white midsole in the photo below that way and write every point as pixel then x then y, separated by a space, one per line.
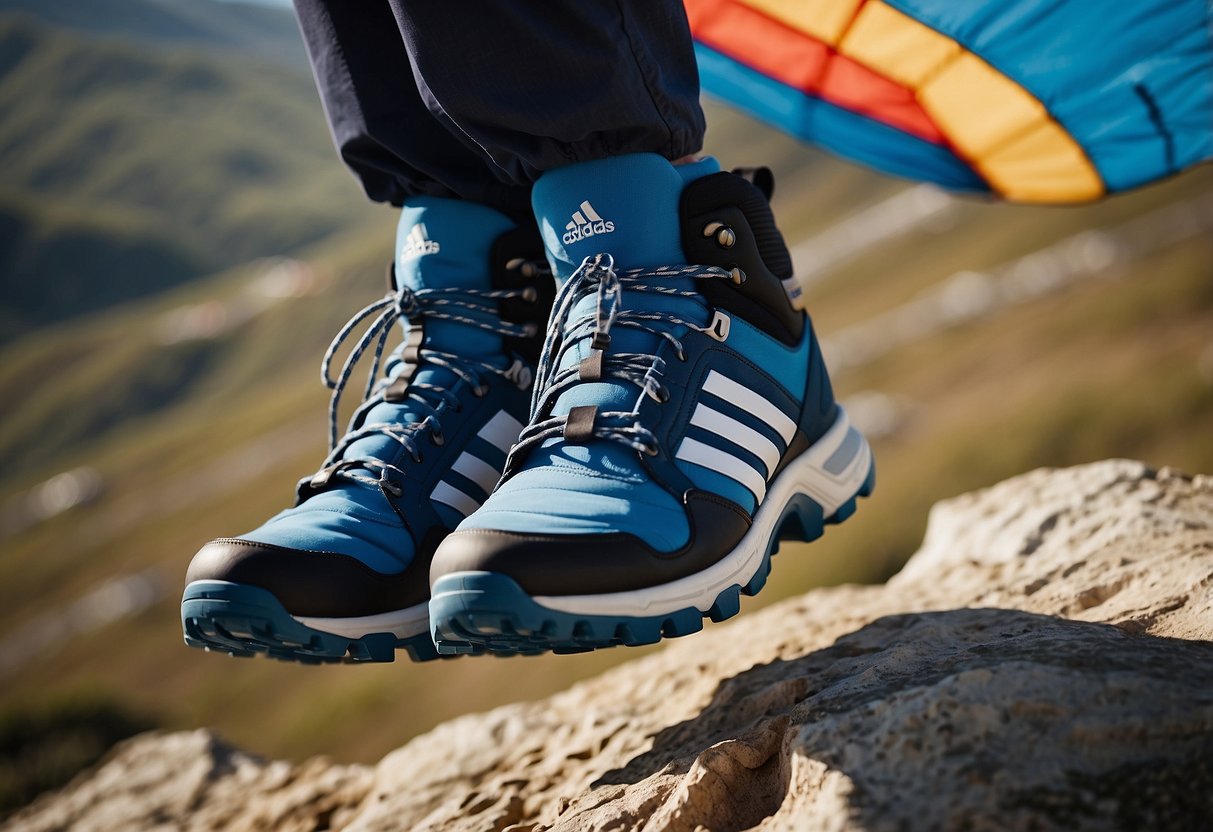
pixel 804 475
pixel 405 623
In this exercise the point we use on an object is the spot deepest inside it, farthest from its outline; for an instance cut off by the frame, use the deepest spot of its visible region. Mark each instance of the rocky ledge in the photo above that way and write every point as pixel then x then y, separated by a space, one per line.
pixel 1043 662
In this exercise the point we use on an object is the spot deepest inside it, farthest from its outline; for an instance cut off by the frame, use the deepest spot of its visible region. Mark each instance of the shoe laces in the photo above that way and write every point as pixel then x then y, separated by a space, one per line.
pixel 426 402
pixel 597 276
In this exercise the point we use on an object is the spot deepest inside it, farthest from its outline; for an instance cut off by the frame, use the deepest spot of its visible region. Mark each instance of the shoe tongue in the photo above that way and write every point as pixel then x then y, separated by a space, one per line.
pixel 440 244
pixel 626 206
pixel 445 244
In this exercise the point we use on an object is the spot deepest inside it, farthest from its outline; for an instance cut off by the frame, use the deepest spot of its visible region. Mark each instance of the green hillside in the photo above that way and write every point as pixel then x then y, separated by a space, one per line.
pixel 168 24
pixel 57 259
pixel 147 167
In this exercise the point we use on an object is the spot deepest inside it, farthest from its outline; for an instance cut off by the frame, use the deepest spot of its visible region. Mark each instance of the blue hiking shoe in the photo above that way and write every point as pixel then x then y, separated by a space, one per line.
pixel 344 574
pixel 682 423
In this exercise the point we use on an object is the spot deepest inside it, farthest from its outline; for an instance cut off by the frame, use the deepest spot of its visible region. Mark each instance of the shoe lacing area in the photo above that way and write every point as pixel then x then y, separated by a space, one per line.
pixel 597 276
pixel 427 402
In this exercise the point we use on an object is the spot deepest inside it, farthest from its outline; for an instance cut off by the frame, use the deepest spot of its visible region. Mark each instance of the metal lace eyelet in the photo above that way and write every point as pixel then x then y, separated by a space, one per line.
pixel 527 268
pixel 392 488
pixel 437 438
pixel 419 458
pixel 718 328
pixel 651 450
pixel 530 294
pixel 531 329
pixel 725 236
pixel 481 391
pixel 663 394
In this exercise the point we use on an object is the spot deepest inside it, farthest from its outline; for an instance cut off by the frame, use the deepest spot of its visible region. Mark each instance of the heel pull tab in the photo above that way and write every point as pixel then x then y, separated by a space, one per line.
pixel 795 293
pixel 760 177
pixel 727 222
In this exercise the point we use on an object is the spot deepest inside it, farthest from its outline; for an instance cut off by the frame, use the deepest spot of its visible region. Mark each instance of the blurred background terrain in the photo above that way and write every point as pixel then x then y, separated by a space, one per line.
pixel 178 243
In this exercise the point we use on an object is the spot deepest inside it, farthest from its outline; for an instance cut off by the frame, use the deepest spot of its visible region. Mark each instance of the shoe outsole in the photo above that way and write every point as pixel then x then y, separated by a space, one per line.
pixel 473 612
pixel 243 621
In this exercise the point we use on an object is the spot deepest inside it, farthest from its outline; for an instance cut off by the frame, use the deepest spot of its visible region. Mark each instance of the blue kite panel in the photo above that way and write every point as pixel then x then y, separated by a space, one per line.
pixel 1131 81
pixel 846 133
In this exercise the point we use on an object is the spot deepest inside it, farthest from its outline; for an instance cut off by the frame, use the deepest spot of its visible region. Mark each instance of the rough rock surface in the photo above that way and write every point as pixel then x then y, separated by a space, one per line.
pixel 1043 662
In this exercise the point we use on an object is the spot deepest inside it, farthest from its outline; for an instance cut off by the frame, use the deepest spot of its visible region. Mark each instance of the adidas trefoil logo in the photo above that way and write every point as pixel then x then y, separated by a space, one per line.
pixel 418 243
pixel 586 223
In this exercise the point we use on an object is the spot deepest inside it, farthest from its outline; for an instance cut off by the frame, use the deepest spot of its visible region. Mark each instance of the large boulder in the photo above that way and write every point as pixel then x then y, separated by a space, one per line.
pixel 1043 662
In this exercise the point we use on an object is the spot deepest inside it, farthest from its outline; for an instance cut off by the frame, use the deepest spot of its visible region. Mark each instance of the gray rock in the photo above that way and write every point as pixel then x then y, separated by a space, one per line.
pixel 1043 662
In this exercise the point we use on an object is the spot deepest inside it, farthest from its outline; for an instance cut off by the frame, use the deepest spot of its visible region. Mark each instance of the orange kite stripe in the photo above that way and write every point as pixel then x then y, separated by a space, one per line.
pixel 806 64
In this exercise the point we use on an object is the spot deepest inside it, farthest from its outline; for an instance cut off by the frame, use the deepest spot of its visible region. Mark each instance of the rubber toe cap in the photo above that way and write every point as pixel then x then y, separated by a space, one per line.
pixel 320 584
pixel 594 564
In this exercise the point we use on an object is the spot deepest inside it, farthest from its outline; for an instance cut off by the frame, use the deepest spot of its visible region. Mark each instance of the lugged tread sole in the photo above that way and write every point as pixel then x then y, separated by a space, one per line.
pixel 244 620
pixel 472 612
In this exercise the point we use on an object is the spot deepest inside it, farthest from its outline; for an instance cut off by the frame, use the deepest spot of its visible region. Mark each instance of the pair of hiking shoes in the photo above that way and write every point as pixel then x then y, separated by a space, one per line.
pixel 595 432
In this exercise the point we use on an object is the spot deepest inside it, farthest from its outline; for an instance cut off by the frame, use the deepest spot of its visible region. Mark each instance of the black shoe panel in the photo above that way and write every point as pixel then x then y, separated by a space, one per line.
pixel 588 564
pixel 518 261
pixel 727 222
pixel 317 584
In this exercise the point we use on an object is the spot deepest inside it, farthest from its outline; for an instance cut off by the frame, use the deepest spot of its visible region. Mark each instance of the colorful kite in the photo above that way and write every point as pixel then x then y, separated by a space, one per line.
pixel 1035 100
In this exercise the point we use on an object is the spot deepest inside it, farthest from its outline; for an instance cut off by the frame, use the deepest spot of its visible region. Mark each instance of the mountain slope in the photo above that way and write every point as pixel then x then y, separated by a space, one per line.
pixel 226 155
pixel 56 257
pixel 167 24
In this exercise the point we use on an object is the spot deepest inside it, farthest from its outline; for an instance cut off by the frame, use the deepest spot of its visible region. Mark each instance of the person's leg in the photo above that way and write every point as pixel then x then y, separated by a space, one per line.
pixel 539 86
pixel 474 100
pixel 683 421
pixel 382 128
pixel 343 575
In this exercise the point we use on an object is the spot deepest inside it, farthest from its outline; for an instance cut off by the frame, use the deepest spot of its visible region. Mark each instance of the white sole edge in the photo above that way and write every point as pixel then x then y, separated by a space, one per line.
pixel 804 475
pixel 405 623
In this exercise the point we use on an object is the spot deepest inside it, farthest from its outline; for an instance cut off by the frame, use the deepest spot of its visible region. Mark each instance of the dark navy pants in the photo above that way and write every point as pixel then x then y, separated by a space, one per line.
pixel 476 99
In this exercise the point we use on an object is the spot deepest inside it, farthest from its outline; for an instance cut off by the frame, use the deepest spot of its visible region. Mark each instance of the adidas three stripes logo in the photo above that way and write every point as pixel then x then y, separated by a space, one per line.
pixel 501 432
pixel 728 434
pixel 724 437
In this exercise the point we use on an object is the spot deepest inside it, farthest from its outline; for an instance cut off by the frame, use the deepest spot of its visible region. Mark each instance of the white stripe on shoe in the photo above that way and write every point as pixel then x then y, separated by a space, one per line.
pixel 448 494
pixel 734 433
pixel 738 433
pixel 477 470
pixel 501 432
pixel 749 401
pixel 722 462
